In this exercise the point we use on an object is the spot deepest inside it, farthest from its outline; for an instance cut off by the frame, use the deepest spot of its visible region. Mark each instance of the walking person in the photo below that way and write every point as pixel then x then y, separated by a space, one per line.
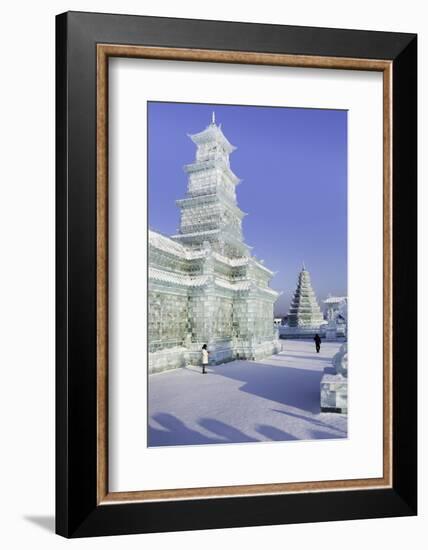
pixel 317 341
pixel 205 354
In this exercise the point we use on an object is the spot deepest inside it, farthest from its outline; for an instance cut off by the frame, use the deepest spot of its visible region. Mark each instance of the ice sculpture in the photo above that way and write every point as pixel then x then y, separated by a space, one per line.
pixel 205 287
pixel 334 383
pixel 304 317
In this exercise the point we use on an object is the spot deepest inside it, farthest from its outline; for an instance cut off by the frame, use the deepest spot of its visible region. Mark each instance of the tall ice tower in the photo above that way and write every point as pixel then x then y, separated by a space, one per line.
pixel 205 287
pixel 209 212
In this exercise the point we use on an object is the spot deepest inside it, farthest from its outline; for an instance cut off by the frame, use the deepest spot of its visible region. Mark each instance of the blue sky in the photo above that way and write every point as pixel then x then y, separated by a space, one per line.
pixel 293 166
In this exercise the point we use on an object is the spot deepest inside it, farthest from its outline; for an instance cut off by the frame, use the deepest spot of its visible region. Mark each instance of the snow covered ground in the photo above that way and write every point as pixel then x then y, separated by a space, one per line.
pixel 276 399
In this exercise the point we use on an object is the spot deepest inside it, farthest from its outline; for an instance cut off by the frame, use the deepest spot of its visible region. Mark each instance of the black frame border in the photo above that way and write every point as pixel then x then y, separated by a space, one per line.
pixel 77 512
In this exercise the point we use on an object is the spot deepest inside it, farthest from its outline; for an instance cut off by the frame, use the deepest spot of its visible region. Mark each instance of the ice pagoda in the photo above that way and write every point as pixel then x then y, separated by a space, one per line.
pixel 205 287
pixel 304 317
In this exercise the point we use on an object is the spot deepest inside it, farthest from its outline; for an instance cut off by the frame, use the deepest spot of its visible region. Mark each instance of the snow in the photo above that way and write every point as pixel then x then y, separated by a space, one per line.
pixel 275 399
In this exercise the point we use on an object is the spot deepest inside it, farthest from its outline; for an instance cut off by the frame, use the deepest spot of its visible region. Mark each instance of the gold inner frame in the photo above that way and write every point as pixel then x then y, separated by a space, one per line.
pixel 104 51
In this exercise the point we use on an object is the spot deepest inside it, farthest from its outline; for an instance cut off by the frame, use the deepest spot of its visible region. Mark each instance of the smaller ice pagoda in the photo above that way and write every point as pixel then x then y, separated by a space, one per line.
pixel 304 317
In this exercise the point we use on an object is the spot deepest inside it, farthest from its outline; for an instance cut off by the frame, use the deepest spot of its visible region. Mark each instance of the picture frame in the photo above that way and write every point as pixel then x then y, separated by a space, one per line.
pixel 84 44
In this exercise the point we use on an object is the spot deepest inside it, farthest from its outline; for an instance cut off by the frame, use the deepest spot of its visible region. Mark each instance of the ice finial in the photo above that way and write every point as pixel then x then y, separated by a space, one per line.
pixel 213 118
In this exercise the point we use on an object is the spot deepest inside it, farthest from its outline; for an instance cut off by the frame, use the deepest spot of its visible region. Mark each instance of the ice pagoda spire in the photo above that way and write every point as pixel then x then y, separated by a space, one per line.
pixel 209 211
pixel 304 309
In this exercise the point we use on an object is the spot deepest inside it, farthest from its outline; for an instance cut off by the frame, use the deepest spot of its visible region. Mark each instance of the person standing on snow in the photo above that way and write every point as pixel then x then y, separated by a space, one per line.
pixel 317 341
pixel 205 354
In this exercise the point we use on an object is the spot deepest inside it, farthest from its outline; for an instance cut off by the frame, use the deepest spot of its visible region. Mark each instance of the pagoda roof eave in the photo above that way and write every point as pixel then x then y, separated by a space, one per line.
pixel 210 232
pixel 167 244
pixel 162 276
pixel 263 267
pixel 212 133
pixel 195 234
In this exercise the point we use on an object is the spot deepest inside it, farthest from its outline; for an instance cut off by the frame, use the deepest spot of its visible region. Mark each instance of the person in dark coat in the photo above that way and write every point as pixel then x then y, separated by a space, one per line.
pixel 317 341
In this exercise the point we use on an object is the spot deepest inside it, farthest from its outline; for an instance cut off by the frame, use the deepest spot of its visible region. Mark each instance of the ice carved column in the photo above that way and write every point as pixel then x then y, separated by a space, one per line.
pixel 334 383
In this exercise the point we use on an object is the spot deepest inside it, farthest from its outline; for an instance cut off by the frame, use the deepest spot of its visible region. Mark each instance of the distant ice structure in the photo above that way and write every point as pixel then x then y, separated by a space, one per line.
pixel 304 317
pixel 334 383
pixel 204 285
pixel 336 312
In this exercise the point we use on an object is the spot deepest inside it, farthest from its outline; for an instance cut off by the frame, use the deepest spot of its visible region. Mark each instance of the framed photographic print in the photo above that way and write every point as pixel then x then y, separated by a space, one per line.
pixel 236 274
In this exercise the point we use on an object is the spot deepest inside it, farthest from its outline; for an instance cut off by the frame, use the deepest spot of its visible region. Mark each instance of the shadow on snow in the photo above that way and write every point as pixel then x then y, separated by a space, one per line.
pixel 273 382
pixel 175 432
pixel 278 383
